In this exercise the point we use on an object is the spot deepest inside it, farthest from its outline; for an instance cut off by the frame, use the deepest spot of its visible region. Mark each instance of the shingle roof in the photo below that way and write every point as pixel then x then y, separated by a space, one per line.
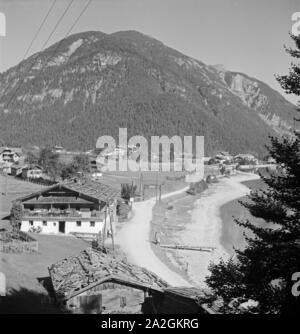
pixel 91 267
pixel 93 189
pixel 188 292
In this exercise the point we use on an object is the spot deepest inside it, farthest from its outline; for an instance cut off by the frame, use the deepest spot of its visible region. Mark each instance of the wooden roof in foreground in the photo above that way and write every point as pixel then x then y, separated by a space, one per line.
pixel 71 276
pixel 93 189
pixel 187 292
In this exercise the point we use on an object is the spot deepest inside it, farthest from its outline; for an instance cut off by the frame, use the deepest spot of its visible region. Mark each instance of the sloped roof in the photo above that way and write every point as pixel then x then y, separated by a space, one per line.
pixel 188 292
pixel 10 150
pixel 93 189
pixel 76 274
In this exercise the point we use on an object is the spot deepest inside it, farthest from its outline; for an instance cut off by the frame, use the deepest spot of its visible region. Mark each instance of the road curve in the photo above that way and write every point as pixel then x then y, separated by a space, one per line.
pixel 133 239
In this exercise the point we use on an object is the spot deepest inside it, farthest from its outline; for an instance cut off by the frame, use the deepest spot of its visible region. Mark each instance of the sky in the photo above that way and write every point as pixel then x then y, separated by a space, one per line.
pixel 245 36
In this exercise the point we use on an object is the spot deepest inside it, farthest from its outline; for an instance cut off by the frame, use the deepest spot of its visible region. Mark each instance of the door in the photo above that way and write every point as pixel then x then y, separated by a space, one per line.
pixel 61 227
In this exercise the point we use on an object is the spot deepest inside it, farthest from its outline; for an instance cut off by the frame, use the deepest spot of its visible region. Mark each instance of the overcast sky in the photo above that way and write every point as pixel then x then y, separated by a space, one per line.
pixel 243 35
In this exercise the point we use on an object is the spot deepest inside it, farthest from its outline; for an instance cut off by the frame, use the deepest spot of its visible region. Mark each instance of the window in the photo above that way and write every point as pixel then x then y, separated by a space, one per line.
pixel 44 223
pixel 30 222
pixel 78 223
pixel 92 224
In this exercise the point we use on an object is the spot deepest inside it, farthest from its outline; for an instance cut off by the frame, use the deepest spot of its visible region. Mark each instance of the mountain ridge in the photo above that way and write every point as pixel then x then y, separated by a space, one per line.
pixel 92 83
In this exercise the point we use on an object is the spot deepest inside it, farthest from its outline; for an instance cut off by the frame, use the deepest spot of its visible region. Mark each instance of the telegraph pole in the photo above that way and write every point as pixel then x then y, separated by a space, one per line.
pixel 111 227
pixel 104 230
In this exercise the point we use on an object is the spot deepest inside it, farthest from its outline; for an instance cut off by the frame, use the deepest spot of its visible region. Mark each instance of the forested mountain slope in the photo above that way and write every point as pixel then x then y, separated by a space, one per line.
pixel 92 83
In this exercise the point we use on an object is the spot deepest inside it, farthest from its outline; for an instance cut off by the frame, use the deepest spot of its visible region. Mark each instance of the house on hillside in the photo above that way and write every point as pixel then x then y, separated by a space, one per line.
pixel 96 175
pixel 16 169
pixel 93 165
pixel 96 282
pixel 246 159
pixel 26 171
pixel 32 172
pixel 73 206
pixel 9 155
pixel 58 149
pixel 223 156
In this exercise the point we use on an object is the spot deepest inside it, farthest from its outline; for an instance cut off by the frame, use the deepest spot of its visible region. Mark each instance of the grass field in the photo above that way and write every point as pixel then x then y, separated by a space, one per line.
pixel 11 189
pixel 23 271
pixel 170 181
pixel 27 274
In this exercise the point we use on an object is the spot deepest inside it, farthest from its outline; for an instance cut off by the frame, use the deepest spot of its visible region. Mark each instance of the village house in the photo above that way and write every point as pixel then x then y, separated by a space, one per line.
pixel 96 175
pixel 247 158
pixel 73 206
pixel 6 168
pixel 96 282
pixel 16 170
pixel 99 282
pixel 58 149
pixel 9 155
pixel 32 172
pixel 26 171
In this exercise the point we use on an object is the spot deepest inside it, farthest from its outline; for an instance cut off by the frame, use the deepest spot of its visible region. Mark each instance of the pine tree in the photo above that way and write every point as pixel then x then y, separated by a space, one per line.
pixel 16 215
pixel 262 272
pixel 49 161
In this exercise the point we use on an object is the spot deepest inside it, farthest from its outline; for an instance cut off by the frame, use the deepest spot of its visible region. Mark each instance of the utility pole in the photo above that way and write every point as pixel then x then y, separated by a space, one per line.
pixel 104 230
pixel 111 228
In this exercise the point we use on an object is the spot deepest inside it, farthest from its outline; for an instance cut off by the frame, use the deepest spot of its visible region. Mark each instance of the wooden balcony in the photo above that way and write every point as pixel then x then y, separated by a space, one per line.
pixel 63 215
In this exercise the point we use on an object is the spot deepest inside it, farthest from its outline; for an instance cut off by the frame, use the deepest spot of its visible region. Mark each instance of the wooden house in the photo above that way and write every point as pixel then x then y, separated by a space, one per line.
pixel 185 300
pixel 16 170
pixel 32 172
pixel 97 282
pixel 9 156
pixel 73 206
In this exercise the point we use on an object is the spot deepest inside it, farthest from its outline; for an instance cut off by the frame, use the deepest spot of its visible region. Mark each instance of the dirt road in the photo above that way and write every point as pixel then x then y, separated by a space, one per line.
pixel 133 238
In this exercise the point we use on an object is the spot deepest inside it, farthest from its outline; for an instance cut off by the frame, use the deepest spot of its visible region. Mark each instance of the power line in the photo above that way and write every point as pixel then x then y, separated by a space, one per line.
pixel 43 46
pixel 39 29
pixel 57 23
pixel 68 32
pixel 34 38
pixel 78 18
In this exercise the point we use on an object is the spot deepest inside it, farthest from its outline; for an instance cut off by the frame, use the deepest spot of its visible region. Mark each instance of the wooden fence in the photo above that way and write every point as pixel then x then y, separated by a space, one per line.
pixel 17 242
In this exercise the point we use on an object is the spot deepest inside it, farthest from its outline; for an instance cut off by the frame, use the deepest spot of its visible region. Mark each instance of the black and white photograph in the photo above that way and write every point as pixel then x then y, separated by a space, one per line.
pixel 150 159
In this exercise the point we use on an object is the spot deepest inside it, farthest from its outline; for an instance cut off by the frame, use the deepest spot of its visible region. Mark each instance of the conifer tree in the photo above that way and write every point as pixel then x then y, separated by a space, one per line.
pixel 262 272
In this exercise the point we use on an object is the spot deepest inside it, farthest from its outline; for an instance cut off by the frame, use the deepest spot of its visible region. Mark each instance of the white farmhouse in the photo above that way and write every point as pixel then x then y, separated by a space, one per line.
pixel 9 156
pixel 72 206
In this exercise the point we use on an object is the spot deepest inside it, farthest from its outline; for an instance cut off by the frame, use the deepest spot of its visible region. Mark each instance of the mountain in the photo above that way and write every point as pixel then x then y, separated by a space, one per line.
pixel 92 83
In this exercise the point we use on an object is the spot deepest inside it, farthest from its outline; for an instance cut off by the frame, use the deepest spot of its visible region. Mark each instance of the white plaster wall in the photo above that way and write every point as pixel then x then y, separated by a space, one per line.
pixel 70 226
pixel 85 227
pixel 52 226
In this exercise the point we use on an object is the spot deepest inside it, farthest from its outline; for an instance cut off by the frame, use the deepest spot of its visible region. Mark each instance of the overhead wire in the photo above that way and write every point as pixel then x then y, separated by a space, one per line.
pixel 21 81
pixel 39 29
